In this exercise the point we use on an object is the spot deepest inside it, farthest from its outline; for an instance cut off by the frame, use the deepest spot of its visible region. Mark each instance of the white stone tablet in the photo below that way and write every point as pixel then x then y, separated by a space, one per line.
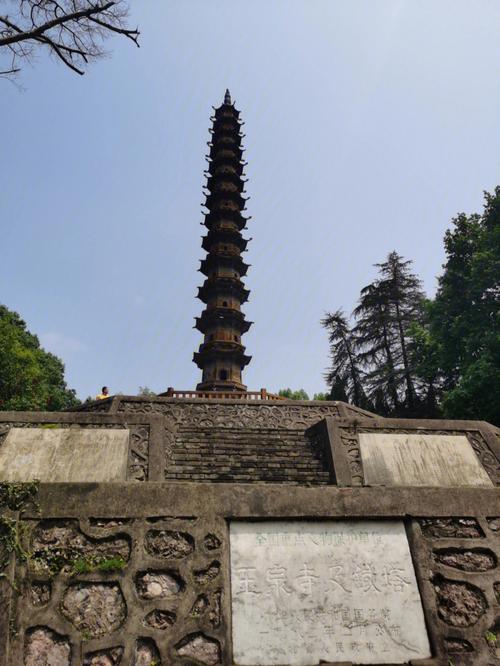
pixel 64 454
pixel 306 592
pixel 393 459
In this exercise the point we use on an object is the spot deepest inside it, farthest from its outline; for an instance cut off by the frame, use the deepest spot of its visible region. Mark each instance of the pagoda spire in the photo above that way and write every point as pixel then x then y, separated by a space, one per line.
pixel 221 356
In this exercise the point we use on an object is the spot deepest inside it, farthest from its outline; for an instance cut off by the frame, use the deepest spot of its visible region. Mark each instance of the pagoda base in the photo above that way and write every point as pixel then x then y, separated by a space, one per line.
pixel 222 385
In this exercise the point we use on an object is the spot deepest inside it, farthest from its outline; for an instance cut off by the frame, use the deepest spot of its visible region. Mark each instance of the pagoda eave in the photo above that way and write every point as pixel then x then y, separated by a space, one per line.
pixel 212 287
pixel 217 198
pixel 212 217
pixel 234 262
pixel 212 351
pixel 224 236
pixel 223 386
pixel 223 316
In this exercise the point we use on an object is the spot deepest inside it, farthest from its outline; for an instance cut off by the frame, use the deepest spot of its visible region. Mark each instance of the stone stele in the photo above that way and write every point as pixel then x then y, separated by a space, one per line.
pixel 64 454
pixel 307 592
pixel 392 459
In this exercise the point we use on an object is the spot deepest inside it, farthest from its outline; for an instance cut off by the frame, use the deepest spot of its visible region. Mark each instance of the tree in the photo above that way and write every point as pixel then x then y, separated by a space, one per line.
pixel 386 312
pixel 344 374
pixel 71 30
pixel 146 392
pixel 464 326
pixel 405 307
pixel 372 363
pixel 293 395
pixel 374 344
pixel 321 396
pixel 30 377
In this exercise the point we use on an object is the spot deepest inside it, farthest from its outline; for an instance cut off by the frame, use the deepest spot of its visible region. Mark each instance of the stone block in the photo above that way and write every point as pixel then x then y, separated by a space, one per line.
pixel 304 593
pixel 64 455
pixel 394 459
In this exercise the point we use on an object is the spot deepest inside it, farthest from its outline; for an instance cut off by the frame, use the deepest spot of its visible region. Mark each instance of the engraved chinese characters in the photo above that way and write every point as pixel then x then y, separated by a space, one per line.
pixel 305 592
pixel 397 459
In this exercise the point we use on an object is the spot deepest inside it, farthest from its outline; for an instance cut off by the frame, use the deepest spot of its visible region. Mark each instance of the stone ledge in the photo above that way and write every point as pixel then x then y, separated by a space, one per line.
pixel 240 500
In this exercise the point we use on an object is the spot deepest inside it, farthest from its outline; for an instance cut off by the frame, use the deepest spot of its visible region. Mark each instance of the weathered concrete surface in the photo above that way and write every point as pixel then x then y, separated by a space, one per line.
pixel 395 459
pixel 271 501
pixel 64 454
pixel 197 619
pixel 169 540
pixel 307 592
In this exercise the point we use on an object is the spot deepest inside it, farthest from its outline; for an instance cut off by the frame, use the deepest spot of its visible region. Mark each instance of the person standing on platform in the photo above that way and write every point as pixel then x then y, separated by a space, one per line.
pixel 103 394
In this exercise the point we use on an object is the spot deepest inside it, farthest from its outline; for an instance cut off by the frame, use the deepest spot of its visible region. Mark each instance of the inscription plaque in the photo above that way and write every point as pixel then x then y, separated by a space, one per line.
pixel 306 592
pixel 396 459
pixel 64 454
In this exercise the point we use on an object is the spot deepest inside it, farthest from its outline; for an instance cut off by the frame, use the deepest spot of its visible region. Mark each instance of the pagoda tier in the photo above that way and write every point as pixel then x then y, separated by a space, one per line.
pixel 225 237
pixel 223 287
pixel 212 317
pixel 225 218
pixel 229 262
pixel 211 351
pixel 229 174
pixel 221 356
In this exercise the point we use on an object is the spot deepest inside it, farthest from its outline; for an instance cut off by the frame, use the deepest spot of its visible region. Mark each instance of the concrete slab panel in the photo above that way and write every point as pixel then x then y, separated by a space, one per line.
pixel 306 592
pixel 394 459
pixel 64 455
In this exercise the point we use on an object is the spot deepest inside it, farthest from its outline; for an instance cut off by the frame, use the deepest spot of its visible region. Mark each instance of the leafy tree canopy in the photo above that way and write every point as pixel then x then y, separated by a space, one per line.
pixel 146 392
pixel 406 355
pixel 293 395
pixel 30 377
pixel 464 325
pixel 321 396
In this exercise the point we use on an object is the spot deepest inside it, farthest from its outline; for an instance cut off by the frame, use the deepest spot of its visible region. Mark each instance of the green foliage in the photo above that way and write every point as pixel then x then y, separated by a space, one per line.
pixel 344 374
pixel 321 396
pixel 71 561
pixel 464 318
pixel 15 497
pixel 371 363
pixel 293 395
pixel 417 357
pixel 491 638
pixel 386 311
pixel 146 392
pixel 30 377
pixel 88 565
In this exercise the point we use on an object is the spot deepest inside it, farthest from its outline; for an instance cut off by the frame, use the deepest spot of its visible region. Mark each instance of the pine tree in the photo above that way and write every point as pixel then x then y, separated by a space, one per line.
pixel 405 300
pixel 374 343
pixel 344 375
pixel 385 314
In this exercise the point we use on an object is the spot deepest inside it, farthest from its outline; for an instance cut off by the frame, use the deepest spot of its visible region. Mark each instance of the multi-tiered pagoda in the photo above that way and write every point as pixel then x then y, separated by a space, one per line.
pixel 221 356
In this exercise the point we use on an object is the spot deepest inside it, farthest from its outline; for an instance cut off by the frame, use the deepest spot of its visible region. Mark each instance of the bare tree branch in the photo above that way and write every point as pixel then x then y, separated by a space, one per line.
pixel 71 30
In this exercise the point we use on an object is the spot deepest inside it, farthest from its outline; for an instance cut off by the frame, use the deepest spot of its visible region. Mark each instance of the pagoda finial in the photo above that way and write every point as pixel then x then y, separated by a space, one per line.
pixel 227 97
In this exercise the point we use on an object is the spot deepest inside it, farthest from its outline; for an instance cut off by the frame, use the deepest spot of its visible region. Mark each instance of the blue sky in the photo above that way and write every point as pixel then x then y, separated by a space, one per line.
pixel 369 125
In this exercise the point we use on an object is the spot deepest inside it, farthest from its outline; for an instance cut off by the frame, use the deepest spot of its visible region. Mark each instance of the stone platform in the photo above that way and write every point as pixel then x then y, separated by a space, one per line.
pixel 255 534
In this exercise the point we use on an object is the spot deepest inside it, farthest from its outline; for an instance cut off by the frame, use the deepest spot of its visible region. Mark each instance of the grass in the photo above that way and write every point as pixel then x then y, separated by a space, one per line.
pixel 491 638
pixel 90 565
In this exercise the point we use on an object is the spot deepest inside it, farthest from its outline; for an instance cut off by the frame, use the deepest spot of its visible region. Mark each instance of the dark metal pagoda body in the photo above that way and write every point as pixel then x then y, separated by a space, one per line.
pixel 221 357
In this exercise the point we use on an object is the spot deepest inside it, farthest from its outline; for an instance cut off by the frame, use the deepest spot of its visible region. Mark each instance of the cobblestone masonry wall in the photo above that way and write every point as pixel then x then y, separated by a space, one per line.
pixel 141 589
pixel 457 559
pixel 121 591
pixel 138 573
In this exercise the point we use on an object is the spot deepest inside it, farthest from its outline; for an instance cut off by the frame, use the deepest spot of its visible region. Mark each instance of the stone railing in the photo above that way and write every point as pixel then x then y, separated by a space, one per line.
pixel 222 395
